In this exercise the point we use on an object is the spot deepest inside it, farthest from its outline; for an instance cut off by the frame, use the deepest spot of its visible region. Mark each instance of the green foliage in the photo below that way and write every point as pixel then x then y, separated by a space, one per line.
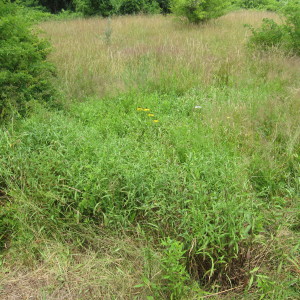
pixel 131 7
pixel 270 34
pixel 28 3
pixel 272 5
pixel 253 3
pixel 197 11
pixel 151 7
pixel 164 5
pixel 292 13
pixel 119 7
pixel 184 180
pixel 203 179
pixel 7 224
pixel 175 275
pixel 94 7
pixel 285 35
pixel 53 6
pixel 24 73
pixel 99 7
pixel 137 6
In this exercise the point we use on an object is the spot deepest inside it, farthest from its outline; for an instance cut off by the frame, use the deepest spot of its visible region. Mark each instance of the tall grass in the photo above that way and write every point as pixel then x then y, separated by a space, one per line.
pixel 206 188
pixel 152 53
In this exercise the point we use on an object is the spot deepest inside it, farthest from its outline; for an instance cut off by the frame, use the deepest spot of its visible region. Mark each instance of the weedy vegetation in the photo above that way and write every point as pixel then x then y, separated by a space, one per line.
pixel 286 35
pixel 25 74
pixel 168 169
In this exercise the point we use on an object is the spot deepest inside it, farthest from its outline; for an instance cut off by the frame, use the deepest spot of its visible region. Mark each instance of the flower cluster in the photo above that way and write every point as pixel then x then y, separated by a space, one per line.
pixel 151 115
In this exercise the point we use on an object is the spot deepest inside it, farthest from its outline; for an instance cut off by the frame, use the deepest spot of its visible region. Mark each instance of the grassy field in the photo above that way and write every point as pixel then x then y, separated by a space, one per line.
pixel 169 170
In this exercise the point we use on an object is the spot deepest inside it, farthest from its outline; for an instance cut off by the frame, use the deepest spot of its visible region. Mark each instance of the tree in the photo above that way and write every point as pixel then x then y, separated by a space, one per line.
pixel 54 6
pixel 197 11
pixel 94 7
pixel 164 5
pixel 25 74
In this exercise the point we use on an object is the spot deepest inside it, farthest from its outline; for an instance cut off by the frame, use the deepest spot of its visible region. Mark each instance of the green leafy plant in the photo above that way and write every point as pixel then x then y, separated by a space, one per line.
pixel 286 35
pixel 254 3
pixel 270 34
pixel 197 11
pixel 175 275
pixel 130 7
pixel 53 6
pixel 164 5
pixel 25 75
pixel 103 8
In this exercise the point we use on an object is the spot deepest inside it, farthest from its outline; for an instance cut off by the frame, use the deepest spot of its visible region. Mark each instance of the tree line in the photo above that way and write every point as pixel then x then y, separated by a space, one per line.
pixel 100 7
pixel 120 7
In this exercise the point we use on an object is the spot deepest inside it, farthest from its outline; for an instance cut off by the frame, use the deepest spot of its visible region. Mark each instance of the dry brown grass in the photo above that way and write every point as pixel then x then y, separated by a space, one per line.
pixel 65 274
pixel 147 52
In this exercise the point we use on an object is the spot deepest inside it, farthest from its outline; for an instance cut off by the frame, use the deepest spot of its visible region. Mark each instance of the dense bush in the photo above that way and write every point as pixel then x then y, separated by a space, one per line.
pixel 285 35
pixel 130 6
pixel 100 7
pixel 136 6
pixel 292 13
pixel 94 7
pixel 197 11
pixel 252 3
pixel 271 5
pixel 151 7
pixel 119 7
pixel 24 73
pixel 52 6
pixel 164 5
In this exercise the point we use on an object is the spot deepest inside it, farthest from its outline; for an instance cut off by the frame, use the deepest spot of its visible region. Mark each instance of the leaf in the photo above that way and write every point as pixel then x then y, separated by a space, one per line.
pixel 254 270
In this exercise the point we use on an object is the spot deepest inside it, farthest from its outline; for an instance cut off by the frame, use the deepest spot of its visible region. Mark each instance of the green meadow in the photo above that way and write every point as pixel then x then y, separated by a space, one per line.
pixel 168 167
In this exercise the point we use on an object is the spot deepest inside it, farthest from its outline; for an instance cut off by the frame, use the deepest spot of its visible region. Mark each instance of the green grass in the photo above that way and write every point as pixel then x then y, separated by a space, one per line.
pixel 202 201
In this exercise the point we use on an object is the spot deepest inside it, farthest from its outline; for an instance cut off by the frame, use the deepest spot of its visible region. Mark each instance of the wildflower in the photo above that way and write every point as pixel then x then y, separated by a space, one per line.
pixel 155 121
pixel 150 115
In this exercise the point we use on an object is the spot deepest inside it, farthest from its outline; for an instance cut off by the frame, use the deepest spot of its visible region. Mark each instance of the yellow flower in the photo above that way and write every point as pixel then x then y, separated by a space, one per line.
pixel 139 109
pixel 150 115
pixel 146 109
pixel 155 121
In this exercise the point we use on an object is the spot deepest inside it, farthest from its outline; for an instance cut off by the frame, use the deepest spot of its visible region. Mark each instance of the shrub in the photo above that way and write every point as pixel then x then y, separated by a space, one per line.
pixel 53 6
pixel 151 7
pixel 197 11
pixel 272 5
pixel 285 35
pixel 175 275
pixel 253 3
pixel 94 7
pixel 131 7
pixel 270 34
pixel 98 7
pixel 137 6
pixel 106 8
pixel 24 73
pixel 292 13
pixel 164 5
